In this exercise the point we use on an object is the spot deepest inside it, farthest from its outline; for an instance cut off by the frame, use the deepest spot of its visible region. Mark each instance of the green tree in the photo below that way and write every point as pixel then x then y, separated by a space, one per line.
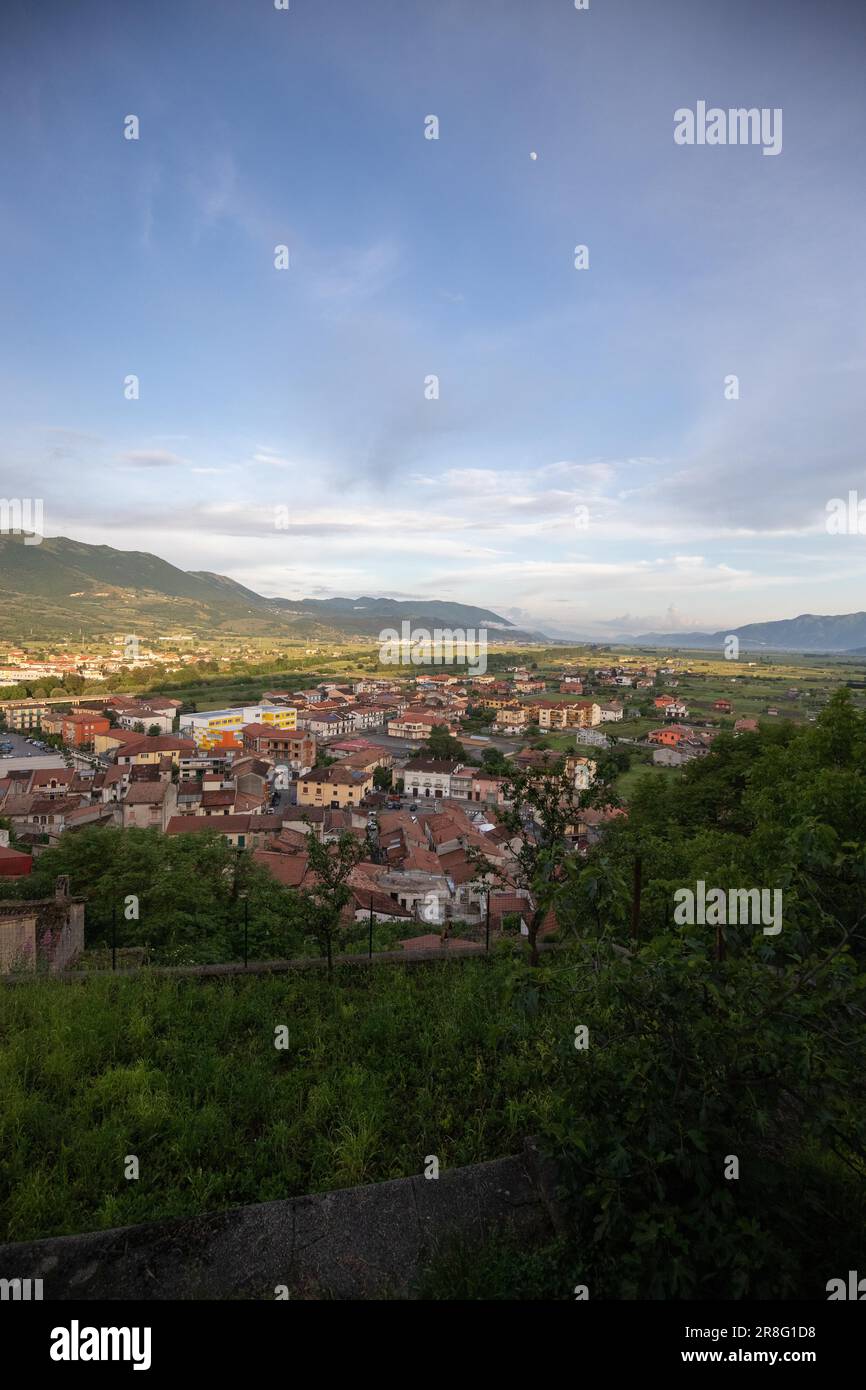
pixel 325 901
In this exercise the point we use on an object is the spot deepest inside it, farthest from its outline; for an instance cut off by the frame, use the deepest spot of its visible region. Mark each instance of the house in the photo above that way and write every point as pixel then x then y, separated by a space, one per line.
pixel 669 737
pixel 487 788
pixel 338 787
pixel 327 723
pixel 14 864
pixel 143 749
pixel 149 804
pixel 425 777
pixel 410 725
pixel 723 706
pixel 243 831
pixel 685 751
pixel 511 721
pixel 746 726
pixel 294 748
pixel 611 713
pixel 676 710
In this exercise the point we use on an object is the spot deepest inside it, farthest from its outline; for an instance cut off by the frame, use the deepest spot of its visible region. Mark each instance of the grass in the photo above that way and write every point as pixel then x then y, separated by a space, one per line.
pixel 627 781
pixel 391 1065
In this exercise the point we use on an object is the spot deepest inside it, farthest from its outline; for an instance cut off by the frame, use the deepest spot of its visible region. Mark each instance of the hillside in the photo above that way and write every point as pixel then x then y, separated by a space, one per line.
pixel 810 632
pixel 63 586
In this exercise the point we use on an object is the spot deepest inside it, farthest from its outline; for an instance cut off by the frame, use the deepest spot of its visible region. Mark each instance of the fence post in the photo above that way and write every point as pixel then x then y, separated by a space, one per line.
pixel 487 922
pixel 246 930
pixel 371 927
pixel 114 937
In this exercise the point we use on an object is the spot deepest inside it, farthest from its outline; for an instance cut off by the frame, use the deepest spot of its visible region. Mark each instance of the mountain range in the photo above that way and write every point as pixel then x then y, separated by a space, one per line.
pixel 62 586
pixel 844 634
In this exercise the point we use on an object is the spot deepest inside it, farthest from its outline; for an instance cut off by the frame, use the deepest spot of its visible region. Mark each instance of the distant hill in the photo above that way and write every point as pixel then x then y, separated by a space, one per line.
pixel 63 586
pixel 844 634
pixel 371 615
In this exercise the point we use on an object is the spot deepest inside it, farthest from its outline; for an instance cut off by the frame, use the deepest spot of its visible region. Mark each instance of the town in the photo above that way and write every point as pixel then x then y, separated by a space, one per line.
pixel 416 768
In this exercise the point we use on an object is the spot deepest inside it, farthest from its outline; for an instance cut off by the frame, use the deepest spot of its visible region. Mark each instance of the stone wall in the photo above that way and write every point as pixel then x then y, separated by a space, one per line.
pixel 357 1243
pixel 44 933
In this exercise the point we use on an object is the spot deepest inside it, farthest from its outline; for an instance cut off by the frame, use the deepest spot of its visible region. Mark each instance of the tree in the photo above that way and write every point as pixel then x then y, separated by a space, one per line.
pixel 543 806
pixel 382 778
pixel 154 731
pixel 494 761
pixel 330 867
pixel 440 745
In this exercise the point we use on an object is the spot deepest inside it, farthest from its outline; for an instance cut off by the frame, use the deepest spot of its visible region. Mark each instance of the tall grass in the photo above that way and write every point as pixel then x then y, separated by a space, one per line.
pixel 385 1068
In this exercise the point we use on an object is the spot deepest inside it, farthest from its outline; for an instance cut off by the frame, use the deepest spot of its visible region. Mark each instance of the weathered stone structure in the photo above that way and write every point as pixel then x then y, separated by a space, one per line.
pixel 45 934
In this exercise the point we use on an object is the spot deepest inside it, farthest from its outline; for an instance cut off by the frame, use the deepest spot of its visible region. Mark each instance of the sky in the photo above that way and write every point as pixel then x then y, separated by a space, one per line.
pixel 583 464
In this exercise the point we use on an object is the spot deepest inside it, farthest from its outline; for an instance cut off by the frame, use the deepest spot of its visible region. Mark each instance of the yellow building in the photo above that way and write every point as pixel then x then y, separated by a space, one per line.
pixel 340 787
pixel 211 727
pixel 25 717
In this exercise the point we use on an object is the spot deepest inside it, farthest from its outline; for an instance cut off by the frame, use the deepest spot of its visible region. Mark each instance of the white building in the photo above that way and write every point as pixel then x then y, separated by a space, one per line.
pixel 425 777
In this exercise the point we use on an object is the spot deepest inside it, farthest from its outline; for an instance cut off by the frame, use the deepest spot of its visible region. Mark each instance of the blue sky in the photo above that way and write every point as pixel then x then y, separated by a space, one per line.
pixel 299 394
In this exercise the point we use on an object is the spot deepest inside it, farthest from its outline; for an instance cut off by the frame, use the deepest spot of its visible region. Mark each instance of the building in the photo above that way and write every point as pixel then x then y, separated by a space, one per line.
pixel 222 727
pixel 79 729
pixel 25 716
pixel 611 713
pixel 412 725
pixel 511 721
pixel 141 750
pixel 241 831
pixel 425 777
pixel 339 786
pixel 149 805
pixel 296 748
pixel 585 714
pixel 14 864
pixel 669 737
pixel 328 723
pixel 45 933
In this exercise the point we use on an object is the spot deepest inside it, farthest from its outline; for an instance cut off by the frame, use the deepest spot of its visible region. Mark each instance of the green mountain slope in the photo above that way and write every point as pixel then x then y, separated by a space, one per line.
pixel 62 587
